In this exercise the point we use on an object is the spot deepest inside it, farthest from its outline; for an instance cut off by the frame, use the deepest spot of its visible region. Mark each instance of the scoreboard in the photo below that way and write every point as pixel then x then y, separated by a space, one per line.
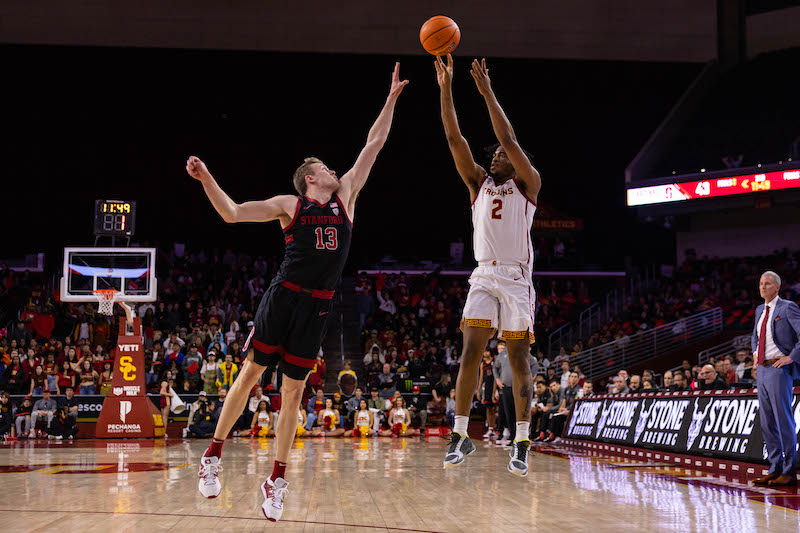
pixel 713 188
pixel 114 217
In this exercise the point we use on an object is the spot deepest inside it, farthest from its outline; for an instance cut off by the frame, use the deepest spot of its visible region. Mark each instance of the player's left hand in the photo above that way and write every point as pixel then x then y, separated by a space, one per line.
pixel 480 73
pixel 782 361
pixel 397 85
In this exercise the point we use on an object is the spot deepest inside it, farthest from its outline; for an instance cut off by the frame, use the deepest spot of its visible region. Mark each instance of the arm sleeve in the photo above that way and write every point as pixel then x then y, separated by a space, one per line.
pixel 754 336
pixel 793 312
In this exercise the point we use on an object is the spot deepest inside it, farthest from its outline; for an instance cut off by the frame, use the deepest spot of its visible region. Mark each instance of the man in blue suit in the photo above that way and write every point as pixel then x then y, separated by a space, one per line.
pixel 776 351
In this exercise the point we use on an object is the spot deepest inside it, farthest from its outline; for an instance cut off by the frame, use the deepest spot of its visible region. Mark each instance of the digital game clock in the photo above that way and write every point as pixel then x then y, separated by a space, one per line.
pixel 114 217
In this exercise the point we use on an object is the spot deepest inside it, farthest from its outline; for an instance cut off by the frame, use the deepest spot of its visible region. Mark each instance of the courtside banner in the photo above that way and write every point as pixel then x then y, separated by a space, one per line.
pixel 721 424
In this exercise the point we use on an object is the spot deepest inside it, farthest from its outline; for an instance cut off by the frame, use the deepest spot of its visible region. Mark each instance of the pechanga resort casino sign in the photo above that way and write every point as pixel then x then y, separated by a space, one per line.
pixel 721 424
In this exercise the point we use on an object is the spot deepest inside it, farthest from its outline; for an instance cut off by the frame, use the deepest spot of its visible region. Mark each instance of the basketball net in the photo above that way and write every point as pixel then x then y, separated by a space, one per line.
pixel 106 298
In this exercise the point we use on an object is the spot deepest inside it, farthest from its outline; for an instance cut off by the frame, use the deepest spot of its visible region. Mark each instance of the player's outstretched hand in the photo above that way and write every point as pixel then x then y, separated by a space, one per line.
pixel 444 72
pixel 397 85
pixel 196 168
pixel 480 73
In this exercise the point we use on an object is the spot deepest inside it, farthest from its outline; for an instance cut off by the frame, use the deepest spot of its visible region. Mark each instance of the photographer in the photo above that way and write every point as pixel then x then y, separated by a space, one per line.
pixel 62 426
pixel 204 421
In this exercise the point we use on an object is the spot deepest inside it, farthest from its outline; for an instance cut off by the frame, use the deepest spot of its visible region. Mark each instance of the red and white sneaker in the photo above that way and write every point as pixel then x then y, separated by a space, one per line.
pixel 274 492
pixel 209 485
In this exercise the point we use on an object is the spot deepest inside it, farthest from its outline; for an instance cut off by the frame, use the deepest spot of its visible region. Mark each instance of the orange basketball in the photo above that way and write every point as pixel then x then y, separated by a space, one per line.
pixel 439 35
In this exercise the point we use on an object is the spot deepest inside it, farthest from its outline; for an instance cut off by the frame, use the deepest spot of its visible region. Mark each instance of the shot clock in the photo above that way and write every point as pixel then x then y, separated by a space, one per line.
pixel 114 218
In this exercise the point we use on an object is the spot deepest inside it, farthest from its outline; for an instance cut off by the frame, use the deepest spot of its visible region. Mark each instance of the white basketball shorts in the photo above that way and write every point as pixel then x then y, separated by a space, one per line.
pixel 501 297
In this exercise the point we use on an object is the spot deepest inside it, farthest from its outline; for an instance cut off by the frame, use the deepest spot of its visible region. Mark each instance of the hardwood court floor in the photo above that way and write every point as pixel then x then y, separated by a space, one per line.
pixel 390 485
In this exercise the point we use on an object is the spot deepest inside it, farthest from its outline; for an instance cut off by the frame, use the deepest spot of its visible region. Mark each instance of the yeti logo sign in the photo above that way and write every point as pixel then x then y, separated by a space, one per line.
pixel 127 347
pixel 127 368
pixel 124 408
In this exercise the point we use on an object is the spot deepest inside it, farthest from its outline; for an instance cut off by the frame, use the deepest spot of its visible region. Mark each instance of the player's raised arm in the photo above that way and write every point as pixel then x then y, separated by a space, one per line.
pixel 528 175
pixel 468 169
pixel 354 179
pixel 275 208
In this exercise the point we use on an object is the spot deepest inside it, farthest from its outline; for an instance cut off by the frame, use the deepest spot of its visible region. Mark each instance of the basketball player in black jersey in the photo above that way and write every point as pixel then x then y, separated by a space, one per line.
pixel 291 318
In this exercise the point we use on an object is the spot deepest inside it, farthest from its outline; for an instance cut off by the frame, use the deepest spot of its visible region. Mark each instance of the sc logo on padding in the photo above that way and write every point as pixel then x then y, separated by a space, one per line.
pixel 127 368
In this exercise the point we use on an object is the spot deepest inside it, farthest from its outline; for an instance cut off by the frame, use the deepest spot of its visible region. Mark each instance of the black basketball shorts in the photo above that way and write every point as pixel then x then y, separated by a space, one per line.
pixel 290 325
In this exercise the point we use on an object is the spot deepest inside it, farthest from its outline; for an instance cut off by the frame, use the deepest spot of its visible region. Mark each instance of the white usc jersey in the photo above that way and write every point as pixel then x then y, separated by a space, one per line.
pixel 502 217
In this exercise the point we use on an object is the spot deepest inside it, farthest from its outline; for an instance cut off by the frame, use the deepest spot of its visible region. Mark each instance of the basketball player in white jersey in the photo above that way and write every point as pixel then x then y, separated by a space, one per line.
pixel 501 295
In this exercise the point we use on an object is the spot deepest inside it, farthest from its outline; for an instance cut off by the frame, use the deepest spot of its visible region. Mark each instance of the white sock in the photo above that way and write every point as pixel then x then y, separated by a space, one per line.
pixel 460 425
pixel 523 431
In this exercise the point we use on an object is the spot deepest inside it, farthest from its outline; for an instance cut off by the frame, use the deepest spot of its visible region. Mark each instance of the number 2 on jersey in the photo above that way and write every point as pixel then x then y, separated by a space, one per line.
pixel 498 207
pixel 332 241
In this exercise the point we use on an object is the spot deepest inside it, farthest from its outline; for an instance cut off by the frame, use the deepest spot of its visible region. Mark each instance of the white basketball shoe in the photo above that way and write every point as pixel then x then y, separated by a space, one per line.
pixel 274 493
pixel 209 485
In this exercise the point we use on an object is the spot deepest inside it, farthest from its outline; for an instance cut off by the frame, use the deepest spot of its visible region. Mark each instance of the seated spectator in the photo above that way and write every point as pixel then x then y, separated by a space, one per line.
pixel 588 389
pixel 679 383
pixel 374 354
pixel 376 404
pixel 542 400
pixel 649 386
pixel 450 409
pixel 418 408
pixel 315 405
pixel 22 417
pixel 351 404
pixel 38 381
pixel 70 402
pixel 6 415
pixel 44 408
pixel 619 386
pixel 668 380
pixel 338 405
pixel 564 374
pixel 386 382
pixel 15 378
pixel 62 425
pixel 546 421
pixel 711 380
pixel 441 391
pixel 635 384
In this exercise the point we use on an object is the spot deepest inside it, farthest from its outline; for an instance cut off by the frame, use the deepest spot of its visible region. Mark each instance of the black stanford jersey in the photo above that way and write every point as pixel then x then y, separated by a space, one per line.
pixel 317 243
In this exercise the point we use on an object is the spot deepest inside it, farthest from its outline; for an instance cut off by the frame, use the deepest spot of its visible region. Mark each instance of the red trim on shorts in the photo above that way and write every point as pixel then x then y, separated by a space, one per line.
pixel 294 218
pixel 288 239
pixel 523 192
pixel 299 361
pixel 315 293
pixel 341 206
pixel 486 177
pixel 266 348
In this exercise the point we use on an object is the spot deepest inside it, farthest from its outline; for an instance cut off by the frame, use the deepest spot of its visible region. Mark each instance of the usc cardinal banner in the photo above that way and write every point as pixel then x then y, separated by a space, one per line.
pixel 128 412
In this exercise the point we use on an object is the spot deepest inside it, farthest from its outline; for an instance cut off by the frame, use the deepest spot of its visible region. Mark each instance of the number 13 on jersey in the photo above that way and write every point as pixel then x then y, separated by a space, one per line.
pixel 327 238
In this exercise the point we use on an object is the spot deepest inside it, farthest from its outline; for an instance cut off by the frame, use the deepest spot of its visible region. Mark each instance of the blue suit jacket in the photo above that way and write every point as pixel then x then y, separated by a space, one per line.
pixel 785 328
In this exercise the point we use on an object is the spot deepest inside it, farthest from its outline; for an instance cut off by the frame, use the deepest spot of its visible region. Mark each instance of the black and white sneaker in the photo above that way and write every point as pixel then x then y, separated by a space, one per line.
pixel 518 465
pixel 460 447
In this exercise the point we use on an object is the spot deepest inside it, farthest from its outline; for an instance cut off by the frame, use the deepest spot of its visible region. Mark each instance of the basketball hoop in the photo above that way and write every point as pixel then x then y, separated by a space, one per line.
pixel 105 300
